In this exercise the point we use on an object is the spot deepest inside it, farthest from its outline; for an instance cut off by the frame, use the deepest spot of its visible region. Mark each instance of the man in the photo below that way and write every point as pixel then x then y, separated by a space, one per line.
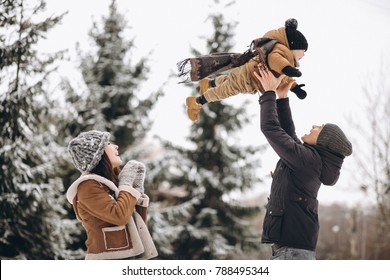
pixel 291 221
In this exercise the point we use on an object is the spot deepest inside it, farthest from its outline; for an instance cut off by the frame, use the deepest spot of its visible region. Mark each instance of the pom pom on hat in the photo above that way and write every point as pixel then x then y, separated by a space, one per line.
pixel 296 40
pixel 291 23
pixel 87 149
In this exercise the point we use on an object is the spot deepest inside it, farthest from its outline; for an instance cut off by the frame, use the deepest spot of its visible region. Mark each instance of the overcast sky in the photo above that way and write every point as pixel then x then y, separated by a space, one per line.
pixel 348 40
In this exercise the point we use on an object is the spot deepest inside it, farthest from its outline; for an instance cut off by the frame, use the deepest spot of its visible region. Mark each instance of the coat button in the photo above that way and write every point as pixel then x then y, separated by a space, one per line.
pixel 270 212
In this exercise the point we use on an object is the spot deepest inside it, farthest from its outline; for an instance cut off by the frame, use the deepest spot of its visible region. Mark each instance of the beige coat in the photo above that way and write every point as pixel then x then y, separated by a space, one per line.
pixel 107 212
pixel 242 79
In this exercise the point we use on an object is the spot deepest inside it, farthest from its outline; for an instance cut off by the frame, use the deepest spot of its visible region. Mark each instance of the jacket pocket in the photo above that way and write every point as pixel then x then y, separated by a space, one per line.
pixel 273 222
pixel 116 237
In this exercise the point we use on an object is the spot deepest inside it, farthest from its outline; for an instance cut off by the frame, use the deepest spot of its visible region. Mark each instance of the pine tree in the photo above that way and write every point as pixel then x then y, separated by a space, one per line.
pixel 196 217
pixel 32 205
pixel 112 81
pixel 111 101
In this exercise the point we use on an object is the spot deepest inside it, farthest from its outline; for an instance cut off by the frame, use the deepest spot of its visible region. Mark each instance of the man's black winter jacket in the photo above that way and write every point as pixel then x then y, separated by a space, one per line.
pixel 291 217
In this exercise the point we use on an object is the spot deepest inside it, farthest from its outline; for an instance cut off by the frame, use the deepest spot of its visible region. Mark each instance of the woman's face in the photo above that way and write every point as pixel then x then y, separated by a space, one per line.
pixel 113 154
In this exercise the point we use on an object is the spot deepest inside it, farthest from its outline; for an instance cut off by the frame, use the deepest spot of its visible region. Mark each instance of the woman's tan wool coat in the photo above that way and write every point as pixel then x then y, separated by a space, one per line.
pixel 115 229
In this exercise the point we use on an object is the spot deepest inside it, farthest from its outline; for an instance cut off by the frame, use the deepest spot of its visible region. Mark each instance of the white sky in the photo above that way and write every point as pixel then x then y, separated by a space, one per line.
pixel 347 41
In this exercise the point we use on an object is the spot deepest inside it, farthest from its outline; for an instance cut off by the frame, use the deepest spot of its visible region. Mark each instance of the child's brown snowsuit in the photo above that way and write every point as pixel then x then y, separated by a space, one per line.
pixel 242 79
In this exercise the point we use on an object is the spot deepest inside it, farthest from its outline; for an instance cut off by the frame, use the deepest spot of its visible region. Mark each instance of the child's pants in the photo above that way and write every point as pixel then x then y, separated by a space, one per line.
pixel 237 81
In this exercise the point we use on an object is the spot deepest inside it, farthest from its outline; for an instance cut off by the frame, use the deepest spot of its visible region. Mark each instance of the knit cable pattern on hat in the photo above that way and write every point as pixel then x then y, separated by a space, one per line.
pixel 87 149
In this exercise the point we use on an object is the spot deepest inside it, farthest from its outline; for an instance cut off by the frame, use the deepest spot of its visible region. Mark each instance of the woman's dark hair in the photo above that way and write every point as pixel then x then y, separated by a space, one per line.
pixel 104 169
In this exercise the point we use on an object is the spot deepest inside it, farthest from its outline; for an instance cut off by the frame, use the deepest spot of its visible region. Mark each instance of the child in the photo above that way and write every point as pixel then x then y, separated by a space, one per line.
pixel 284 47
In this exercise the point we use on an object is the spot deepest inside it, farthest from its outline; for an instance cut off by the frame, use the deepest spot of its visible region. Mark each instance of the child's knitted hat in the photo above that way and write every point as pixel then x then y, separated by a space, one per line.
pixel 87 149
pixel 296 40
pixel 334 139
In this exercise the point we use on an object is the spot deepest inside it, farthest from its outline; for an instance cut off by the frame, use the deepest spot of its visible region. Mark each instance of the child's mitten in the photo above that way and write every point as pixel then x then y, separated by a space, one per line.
pixel 301 94
pixel 291 71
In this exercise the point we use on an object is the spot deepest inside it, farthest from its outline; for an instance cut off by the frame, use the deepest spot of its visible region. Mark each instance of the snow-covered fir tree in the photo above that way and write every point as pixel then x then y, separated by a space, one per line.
pixel 32 224
pixel 111 101
pixel 194 215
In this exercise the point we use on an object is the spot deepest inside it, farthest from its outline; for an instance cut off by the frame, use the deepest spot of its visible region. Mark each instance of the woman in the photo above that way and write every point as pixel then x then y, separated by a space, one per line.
pixel 111 205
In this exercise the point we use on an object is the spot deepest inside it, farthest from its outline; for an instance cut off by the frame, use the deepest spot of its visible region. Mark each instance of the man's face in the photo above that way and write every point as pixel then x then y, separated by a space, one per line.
pixel 312 136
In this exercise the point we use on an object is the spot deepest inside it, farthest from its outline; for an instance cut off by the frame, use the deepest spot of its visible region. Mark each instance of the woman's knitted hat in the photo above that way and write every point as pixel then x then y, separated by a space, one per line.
pixel 296 40
pixel 334 139
pixel 87 149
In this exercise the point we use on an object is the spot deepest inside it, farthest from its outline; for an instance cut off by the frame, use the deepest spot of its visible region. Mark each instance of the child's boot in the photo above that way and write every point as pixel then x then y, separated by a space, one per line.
pixel 193 108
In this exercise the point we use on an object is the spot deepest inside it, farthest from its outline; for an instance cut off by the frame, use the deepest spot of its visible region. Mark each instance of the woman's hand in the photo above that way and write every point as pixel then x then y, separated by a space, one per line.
pixel 133 175
pixel 267 79
pixel 128 173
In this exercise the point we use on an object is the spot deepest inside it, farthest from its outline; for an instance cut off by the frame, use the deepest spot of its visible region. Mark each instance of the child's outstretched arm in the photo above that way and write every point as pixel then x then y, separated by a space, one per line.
pixel 291 71
pixel 277 61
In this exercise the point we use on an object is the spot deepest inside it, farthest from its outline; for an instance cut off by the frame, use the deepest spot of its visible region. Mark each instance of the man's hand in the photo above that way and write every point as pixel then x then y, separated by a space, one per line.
pixel 267 79
pixel 284 88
